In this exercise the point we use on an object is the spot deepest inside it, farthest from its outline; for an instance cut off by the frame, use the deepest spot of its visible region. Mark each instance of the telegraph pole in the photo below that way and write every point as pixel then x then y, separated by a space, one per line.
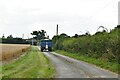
pixel 57 30
pixel 22 36
pixel 28 36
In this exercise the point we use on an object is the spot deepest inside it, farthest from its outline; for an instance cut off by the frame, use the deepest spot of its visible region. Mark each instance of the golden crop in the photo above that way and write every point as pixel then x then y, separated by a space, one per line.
pixel 11 51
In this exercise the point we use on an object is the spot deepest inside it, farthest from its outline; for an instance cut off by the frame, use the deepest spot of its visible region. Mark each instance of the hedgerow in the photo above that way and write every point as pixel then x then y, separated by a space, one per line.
pixel 102 45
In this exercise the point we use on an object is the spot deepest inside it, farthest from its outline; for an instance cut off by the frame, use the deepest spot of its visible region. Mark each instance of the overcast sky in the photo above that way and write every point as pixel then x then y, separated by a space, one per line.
pixel 19 17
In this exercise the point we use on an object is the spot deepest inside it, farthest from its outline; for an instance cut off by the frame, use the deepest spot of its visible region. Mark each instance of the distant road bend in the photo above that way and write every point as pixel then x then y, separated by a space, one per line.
pixel 67 67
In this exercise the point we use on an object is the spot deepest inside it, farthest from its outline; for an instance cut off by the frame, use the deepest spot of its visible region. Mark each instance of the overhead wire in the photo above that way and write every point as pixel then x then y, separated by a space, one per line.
pixel 96 13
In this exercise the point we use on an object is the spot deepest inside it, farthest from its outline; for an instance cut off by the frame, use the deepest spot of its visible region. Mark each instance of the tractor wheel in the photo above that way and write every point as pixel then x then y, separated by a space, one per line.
pixel 50 49
pixel 41 50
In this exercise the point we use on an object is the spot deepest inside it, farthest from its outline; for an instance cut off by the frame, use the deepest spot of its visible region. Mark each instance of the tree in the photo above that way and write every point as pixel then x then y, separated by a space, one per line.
pixel 76 36
pixel 3 36
pixel 10 37
pixel 64 35
pixel 39 34
pixel 118 26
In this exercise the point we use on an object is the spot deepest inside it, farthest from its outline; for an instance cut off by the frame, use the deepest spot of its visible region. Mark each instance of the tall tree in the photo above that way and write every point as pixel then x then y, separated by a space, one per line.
pixel 39 34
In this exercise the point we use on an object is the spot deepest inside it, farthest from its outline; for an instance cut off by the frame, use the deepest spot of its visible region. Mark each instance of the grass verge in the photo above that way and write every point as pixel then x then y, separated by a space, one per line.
pixel 33 65
pixel 112 66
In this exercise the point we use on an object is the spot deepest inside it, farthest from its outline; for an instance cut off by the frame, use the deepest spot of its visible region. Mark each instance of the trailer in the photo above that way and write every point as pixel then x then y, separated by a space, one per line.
pixel 46 45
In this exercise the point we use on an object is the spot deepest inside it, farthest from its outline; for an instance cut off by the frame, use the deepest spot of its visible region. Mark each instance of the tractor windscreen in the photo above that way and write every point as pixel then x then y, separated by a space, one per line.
pixel 46 41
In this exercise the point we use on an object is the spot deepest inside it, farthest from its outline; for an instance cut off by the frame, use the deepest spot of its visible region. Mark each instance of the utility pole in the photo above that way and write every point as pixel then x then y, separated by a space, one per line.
pixel 3 36
pixel 57 30
pixel 32 41
pixel 32 37
pixel 28 36
pixel 22 36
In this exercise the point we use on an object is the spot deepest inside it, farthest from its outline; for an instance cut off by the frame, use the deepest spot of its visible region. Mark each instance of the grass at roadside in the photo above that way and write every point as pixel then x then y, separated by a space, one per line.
pixel 33 65
pixel 112 66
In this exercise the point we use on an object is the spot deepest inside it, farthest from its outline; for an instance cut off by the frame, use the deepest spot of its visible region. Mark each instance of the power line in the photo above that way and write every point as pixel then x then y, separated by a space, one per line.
pixel 103 8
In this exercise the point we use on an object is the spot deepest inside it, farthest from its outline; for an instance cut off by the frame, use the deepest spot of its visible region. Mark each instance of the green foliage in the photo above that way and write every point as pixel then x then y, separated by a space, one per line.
pixel 10 37
pixel 14 41
pixel 57 41
pixel 102 45
pixel 39 34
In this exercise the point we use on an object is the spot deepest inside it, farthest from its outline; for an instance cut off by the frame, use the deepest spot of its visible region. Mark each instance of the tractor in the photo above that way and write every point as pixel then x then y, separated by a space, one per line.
pixel 46 45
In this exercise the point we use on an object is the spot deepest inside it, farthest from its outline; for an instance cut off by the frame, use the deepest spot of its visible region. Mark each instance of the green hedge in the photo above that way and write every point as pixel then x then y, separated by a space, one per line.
pixel 102 45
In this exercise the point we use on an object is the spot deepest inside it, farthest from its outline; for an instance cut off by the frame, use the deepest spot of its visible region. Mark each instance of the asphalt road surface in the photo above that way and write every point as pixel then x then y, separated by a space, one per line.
pixel 67 67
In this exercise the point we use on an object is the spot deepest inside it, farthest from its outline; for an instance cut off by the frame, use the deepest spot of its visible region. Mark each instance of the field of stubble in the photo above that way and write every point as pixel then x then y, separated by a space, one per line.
pixel 11 51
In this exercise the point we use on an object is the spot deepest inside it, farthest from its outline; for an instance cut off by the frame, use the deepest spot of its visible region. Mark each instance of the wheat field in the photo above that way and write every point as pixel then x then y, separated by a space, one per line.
pixel 11 51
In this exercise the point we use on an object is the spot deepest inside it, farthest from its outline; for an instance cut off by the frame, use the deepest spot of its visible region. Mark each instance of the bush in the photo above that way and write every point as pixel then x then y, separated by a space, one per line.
pixel 101 45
